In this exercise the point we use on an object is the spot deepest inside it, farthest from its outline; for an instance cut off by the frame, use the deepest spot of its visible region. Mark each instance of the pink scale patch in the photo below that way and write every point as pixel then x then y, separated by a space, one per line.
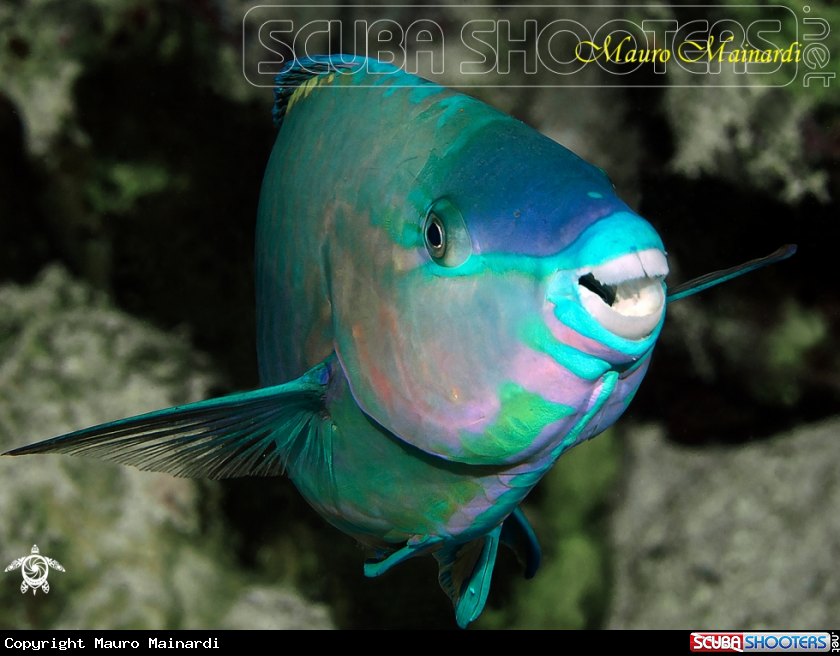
pixel 541 374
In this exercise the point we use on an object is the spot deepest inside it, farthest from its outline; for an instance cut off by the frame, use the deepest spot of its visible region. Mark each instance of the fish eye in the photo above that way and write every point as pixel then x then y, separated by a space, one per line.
pixel 445 234
pixel 435 236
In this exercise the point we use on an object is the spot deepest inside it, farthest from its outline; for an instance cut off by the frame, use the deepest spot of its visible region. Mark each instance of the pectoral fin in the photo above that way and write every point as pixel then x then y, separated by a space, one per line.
pixel 258 433
pixel 717 277
pixel 465 573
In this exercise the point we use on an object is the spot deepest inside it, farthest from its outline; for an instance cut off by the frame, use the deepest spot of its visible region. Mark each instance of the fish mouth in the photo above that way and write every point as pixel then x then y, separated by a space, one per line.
pixel 626 295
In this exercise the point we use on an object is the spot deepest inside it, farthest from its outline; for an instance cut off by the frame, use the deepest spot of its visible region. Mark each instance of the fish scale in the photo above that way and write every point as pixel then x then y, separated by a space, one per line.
pixel 447 301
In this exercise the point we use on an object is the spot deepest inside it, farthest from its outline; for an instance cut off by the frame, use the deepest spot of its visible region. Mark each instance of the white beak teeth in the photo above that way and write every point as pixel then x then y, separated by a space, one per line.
pixel 639 298
pixel 645 264
pixel 654 263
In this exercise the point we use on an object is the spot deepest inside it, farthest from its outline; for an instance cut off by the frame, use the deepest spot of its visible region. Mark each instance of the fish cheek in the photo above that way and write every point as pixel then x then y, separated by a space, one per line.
pixel 426 354
pixel 459 340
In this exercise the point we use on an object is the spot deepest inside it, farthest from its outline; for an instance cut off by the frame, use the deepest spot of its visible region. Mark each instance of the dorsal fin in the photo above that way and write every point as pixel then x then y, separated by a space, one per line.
pixel 298 72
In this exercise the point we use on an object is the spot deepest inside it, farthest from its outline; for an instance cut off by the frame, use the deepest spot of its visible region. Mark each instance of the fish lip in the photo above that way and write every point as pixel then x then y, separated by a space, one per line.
pixel 635 280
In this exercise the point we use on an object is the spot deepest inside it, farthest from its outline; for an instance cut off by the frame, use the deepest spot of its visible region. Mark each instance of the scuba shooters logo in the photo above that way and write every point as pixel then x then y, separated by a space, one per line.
pixel 785 642
pixel 763 47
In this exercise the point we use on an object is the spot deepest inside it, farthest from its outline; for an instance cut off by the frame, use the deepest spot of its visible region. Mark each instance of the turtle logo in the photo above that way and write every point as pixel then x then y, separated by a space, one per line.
pixel 35 568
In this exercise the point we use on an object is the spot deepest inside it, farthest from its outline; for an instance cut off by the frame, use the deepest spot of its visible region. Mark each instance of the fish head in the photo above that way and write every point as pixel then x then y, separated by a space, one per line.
pixel 502 280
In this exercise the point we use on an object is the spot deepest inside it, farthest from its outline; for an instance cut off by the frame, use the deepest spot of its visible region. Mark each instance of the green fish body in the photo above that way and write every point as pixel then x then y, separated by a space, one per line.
pixel 447 301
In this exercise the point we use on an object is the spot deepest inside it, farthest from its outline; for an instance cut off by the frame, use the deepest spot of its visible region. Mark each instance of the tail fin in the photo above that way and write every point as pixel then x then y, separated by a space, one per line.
pixel 465 573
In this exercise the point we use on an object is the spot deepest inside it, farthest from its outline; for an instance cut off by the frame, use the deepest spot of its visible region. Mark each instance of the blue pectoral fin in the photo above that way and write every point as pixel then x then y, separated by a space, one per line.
pixel 258 433
pixel 518 535
pixel 465 573
pixel 717 277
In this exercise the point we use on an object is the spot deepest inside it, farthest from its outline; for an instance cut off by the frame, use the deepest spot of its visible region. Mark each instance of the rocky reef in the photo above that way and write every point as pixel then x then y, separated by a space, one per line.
pixel 139 549
pixel 733 537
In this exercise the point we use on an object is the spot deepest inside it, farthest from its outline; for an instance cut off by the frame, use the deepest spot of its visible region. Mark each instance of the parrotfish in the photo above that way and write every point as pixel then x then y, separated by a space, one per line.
pixel 447 301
